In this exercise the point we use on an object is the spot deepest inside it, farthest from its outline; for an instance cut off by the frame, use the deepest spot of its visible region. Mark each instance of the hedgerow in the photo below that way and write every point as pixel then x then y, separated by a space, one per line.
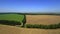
pixel 51 26
pixel 24 21
pixel 7 22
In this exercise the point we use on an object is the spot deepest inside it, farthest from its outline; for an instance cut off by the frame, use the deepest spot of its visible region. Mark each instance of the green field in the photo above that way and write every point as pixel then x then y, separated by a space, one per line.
pixel 12 17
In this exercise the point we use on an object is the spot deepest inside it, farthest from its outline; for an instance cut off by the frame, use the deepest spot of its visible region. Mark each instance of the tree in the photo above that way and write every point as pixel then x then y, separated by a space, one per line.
pixel 24 21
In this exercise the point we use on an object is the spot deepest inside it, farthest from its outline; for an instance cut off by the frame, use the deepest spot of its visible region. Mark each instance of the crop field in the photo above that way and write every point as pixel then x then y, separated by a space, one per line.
pixel 31 19
pixel 42 19
pixel 11 17
pixel 5 29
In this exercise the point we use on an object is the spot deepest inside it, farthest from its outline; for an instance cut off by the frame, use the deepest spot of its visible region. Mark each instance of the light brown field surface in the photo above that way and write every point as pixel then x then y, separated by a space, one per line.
pixel 43 19
pixel 17 30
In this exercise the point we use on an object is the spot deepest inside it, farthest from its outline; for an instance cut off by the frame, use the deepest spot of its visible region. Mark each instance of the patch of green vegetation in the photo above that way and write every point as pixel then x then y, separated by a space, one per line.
pixel 24 21
pixel 11 17
pixel 7 22
pixel 51 26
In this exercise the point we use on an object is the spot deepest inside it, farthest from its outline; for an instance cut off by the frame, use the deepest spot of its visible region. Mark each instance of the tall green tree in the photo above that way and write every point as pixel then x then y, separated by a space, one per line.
pixel 24 21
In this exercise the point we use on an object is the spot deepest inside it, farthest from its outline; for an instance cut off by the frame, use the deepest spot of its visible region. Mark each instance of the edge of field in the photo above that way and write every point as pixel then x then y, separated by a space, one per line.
pixel 5 29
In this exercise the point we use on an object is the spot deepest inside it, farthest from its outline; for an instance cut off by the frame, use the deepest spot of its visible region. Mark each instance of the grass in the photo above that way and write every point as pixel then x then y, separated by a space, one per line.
pixel 12 17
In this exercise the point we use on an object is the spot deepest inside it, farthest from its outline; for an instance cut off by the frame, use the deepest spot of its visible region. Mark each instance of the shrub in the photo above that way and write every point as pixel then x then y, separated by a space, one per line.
pixel 58 25
pixel 51 26
pixel 24 21
pixel 7 22
pixel 36 26
pixel 29 26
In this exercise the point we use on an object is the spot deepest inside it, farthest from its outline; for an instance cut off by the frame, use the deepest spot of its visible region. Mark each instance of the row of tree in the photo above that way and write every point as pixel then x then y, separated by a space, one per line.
pixel 51 26
pixel 8 22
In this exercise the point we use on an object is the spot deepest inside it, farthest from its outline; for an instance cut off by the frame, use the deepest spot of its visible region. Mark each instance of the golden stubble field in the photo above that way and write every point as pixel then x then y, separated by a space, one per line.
pixel 17 30
pixel 43 19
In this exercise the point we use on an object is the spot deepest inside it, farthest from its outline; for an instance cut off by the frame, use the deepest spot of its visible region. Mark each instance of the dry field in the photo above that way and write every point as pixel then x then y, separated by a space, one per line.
pixel 43 19
pixel 17 30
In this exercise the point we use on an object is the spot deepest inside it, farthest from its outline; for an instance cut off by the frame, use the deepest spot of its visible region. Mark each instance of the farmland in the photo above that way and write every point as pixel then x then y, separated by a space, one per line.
pixel 11 17
pixel 5 29
pixel 43 19
pixel 30 19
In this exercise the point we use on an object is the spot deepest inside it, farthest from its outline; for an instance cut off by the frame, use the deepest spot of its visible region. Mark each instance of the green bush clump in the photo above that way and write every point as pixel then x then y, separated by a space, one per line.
pixel 58 25
pixel 24 21
pixel 51 26
pixel 7 22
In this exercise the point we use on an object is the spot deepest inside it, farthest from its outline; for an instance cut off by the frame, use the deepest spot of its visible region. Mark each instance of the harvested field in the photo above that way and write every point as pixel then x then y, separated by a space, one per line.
pixel 43 19
pixel 17 30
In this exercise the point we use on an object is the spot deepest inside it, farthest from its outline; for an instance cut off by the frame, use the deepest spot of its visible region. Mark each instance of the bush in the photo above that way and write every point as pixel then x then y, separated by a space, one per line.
pixel 7 22
pixel 29 26
pixel 52 26
pixel 58 25
pixel 24 21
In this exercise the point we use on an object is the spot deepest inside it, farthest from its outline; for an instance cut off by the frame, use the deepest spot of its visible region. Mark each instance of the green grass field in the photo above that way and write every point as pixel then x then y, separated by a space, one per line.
pixel 12 17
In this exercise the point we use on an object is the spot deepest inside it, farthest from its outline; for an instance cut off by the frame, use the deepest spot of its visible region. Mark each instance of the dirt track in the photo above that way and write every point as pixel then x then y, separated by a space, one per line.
pixel 17 30
pixel 42 19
